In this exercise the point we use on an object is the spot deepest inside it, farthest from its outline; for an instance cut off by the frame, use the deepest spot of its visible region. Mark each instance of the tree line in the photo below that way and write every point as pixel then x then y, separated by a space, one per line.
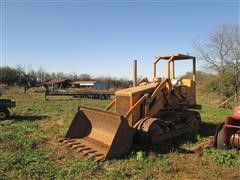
pixel 18 76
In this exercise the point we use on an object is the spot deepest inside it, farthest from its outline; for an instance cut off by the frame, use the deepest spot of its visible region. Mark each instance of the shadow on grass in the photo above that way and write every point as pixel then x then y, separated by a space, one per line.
pixel 207 129
pixel 176 144
pixel 28 117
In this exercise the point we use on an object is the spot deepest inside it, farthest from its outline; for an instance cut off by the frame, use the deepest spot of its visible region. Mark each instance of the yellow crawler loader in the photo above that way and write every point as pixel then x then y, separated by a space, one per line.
pixel 147 113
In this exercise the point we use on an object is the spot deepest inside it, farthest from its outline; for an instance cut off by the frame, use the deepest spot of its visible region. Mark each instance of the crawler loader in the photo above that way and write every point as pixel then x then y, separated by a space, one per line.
pixel 147 113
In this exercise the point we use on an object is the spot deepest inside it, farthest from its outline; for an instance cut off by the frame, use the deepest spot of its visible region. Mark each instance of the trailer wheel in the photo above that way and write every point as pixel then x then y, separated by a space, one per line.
pixel 4 113
pixel 101 97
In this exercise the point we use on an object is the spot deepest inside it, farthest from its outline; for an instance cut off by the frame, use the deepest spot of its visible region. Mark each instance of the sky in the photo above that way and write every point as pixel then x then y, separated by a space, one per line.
pixel 102 38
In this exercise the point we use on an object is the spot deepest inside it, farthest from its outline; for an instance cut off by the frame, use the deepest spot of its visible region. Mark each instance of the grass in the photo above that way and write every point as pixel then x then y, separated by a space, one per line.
pixel 229 158
pixel 29 148
pixel 20 153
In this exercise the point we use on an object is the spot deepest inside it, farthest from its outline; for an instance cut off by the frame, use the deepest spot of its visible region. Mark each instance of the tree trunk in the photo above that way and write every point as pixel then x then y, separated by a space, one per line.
pixel 236 85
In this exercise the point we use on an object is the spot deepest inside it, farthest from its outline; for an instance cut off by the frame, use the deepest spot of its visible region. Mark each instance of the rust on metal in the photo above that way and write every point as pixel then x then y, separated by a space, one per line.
pixel 149 111
pixel 101 132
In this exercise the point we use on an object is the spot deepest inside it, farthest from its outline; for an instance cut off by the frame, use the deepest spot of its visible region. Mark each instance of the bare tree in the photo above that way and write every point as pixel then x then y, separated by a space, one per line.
pixel 234 55
pixel 222 51
pixel 85 77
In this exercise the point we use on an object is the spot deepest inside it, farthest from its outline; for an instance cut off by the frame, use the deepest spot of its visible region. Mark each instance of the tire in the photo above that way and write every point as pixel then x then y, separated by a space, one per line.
pixel 4 114
pixel 220 143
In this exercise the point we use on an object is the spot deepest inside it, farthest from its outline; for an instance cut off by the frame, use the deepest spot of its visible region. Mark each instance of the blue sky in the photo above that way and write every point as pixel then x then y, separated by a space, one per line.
pixel 103 38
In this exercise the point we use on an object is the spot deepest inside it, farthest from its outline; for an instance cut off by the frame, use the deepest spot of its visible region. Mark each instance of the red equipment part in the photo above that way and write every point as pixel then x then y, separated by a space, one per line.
pixel 236 113
pixel 227 124
pixel 231 130
pixel 228 134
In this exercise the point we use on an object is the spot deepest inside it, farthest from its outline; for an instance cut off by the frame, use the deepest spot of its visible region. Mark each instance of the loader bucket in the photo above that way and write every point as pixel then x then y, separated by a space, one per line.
pixel 99 134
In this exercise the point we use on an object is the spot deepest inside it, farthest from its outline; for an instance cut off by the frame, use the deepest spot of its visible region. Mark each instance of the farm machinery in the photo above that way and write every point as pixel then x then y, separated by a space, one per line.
pixel 228 133
pixel 5 105
pixel 147 113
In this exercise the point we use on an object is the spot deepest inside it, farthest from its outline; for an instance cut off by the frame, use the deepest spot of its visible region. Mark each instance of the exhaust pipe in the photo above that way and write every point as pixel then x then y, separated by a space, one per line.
pixel 135 73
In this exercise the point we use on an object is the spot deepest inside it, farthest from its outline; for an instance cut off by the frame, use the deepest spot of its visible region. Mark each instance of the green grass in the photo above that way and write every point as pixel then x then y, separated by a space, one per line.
pixel 29 148
pixel 19 151
pixel 229 158
pixel 210 112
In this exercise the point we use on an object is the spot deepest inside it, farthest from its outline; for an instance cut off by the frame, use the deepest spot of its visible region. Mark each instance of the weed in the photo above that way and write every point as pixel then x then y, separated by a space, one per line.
pixel 229 158
pixel 216 174
pixel 140 156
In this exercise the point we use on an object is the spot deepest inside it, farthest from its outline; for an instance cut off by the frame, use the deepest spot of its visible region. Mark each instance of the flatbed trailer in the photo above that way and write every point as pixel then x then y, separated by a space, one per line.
pixel 93 95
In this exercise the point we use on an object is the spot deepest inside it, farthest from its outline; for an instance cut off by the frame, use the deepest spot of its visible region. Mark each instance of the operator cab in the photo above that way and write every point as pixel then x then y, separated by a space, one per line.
pixel 186 88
